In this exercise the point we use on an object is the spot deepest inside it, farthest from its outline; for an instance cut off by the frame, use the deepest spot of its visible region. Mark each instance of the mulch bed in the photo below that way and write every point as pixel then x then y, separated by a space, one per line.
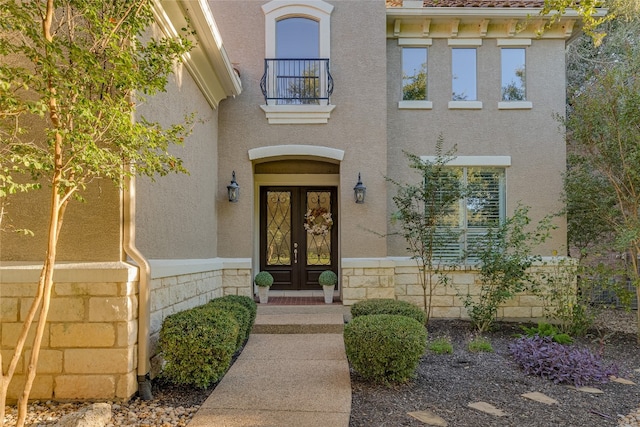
pixel 446 384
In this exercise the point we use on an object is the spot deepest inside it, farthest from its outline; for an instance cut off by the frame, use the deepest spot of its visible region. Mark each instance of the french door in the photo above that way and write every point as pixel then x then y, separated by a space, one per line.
pixel 298 235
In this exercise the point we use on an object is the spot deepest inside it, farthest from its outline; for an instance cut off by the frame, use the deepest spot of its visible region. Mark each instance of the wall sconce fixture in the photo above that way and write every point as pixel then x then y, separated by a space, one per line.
pixel 233 189
pixel 359 190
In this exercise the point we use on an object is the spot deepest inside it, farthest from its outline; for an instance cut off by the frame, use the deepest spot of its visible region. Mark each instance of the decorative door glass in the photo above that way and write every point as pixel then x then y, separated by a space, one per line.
pixel 278 228
pixel 318 223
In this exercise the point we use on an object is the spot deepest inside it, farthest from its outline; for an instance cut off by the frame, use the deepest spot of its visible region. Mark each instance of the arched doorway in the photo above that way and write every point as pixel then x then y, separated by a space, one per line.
pixel 298 217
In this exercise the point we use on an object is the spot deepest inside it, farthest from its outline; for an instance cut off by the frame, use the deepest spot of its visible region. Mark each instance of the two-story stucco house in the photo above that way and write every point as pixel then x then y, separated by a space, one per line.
pixel 322 99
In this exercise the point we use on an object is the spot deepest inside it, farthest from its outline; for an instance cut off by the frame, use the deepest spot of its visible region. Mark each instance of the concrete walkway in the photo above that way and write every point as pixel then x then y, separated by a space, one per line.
pixel 293 371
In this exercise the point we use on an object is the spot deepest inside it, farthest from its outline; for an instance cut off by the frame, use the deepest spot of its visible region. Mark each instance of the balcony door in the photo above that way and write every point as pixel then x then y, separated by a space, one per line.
pixel 298 235
pixel 297 71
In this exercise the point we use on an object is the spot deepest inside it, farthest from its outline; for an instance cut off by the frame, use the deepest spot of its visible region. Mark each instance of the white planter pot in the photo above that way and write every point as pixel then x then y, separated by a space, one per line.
pixel 328 293
pixel 263 293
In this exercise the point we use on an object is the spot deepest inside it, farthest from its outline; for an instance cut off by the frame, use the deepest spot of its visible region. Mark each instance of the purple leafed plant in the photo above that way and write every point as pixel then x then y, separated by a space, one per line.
pixel 560 363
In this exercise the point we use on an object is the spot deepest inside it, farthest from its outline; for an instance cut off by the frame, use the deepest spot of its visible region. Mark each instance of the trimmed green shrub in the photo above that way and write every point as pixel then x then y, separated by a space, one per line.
pixel 263 279
pixel 388 306
pixel 385 348
pixel 246 301
pixel 328 278
pixel 198 345
pixel 240 313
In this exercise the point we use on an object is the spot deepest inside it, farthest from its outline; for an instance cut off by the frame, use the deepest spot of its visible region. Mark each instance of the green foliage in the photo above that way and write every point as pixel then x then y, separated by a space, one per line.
pixel 328 278
pixel 547 330
pixel 388 306
pixel 588 11
pixel 557 285
pixel 505 258
pixel 263 279
pixel 385 348
pixel 480 345
pixel 198 345
pixel 441 345
pixel 421 212
pixel 80 84
pixel 590 207
pixel 71 75
pixel 414 88
pixel 603 127
pixel 247 302
pixel 240 313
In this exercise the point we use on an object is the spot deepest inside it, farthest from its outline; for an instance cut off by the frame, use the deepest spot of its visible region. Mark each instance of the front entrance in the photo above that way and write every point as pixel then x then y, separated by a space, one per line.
pixel 298 235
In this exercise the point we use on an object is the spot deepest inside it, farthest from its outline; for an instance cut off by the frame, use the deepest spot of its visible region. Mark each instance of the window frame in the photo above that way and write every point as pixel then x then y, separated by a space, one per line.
pixel 459 249
pixel 414 104
pixel 464 44
pixel 515 105
pixel 316 10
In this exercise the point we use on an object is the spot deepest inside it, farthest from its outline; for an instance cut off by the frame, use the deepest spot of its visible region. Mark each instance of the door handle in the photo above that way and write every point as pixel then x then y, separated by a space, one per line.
pixel 295 253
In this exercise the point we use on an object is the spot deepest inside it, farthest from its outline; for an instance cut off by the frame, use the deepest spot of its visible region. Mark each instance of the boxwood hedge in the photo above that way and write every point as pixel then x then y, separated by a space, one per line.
pixel 385 348
pixel 240 313
pixel 198 345
pixel 388 306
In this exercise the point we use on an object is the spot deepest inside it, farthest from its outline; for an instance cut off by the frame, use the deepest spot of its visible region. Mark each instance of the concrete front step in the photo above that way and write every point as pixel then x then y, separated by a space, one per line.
pixel 300 319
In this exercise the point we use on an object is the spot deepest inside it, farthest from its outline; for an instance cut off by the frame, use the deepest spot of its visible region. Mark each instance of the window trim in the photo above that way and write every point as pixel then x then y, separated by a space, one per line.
pixel 480 162
pixel 515 43
pixel 319 11
pixel 423 104
pixel 471 104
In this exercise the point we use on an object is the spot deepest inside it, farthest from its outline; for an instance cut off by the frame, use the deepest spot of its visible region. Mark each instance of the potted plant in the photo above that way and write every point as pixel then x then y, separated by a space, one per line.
pixel 263 281
pixel 328 280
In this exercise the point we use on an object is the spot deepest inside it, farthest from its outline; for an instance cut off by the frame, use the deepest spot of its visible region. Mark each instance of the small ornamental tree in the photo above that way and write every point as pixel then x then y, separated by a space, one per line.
pixel 505 257
pixel 603 132
pixel 77 69
pixel 421 217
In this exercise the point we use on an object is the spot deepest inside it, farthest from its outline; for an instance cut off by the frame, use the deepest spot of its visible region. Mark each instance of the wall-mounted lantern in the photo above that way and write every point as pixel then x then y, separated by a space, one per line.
pixel 233 189
pixel 359 191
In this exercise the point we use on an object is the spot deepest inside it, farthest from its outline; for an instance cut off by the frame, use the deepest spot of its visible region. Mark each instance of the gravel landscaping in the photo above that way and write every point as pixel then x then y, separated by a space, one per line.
pixel 444 386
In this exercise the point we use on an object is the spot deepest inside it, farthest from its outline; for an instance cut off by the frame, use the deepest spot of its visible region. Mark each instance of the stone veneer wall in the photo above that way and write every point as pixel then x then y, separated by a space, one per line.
pixel 89 345
pixel 186 285
pixel 89 349
pixel 399 278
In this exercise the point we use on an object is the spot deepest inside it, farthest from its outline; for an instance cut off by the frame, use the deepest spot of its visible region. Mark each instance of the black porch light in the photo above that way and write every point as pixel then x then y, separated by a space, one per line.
pixel 359 190
pixel 233 189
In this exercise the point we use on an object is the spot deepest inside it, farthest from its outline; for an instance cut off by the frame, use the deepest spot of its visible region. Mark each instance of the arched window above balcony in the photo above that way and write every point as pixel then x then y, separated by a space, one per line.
pixel 297 82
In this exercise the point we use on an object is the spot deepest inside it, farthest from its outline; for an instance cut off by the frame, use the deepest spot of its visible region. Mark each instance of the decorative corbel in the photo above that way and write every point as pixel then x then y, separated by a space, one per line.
pixel 455 26
pixel 484 24
pixel 396 27
pixel 512 27
pixel 426 27
pixel 568 27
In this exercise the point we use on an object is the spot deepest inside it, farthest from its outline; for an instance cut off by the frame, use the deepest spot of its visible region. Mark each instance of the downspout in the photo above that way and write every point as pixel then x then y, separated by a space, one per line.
pixel 144 280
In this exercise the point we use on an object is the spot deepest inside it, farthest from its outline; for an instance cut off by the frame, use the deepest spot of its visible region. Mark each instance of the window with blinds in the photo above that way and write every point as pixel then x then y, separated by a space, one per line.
pixel 483 208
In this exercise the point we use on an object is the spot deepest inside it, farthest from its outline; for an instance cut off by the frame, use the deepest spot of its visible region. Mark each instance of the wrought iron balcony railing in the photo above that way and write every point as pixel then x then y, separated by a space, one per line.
pixel 296 81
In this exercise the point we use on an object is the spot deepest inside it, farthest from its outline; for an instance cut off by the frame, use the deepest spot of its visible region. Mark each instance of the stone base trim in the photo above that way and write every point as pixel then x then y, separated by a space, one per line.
pixel 399 278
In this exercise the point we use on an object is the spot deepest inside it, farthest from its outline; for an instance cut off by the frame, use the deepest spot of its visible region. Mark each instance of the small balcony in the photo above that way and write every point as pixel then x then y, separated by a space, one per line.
pixel 296 82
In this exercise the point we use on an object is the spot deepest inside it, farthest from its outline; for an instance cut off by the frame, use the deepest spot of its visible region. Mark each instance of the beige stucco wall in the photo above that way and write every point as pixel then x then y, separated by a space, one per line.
pixel 356 124
pixel 176 214
pixel 531 137
pixel 90 231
